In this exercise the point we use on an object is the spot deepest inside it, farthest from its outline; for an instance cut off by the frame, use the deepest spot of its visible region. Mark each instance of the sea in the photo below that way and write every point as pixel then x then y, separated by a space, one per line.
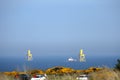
pixel 21 64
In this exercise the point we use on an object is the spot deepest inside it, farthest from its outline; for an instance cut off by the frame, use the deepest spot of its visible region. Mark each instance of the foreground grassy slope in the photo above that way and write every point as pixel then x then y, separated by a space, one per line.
pixel 105 74
pixel 56 73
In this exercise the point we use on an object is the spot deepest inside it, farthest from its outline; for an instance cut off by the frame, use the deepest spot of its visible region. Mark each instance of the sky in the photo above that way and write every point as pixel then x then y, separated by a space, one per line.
pixel 59 27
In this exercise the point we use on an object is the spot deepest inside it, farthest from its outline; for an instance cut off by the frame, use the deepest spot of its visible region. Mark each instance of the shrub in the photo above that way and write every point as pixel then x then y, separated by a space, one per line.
pixel 59 70
pixel 35 71
pixel 117 66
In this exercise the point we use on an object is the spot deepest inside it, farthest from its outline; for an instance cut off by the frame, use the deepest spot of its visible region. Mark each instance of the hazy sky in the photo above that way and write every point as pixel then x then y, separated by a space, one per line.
pixel 59 27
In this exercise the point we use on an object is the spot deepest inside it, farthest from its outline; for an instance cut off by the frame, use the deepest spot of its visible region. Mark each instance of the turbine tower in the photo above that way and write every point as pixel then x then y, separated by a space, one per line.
pixel 29 55
pixel 82 56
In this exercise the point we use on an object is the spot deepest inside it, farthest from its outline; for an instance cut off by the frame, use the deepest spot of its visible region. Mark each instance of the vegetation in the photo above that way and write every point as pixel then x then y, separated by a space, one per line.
pixel 101 74
pixel 117 66
pixel 105 74
pixel 60 70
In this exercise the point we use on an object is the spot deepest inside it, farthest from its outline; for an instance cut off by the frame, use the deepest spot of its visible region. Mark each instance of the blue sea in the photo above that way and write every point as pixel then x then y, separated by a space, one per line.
pixel 12 63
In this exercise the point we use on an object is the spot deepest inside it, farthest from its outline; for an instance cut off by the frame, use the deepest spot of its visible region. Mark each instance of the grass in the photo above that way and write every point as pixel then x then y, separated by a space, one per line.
pixel 104 74
pixel 62 77
pixel 5 77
